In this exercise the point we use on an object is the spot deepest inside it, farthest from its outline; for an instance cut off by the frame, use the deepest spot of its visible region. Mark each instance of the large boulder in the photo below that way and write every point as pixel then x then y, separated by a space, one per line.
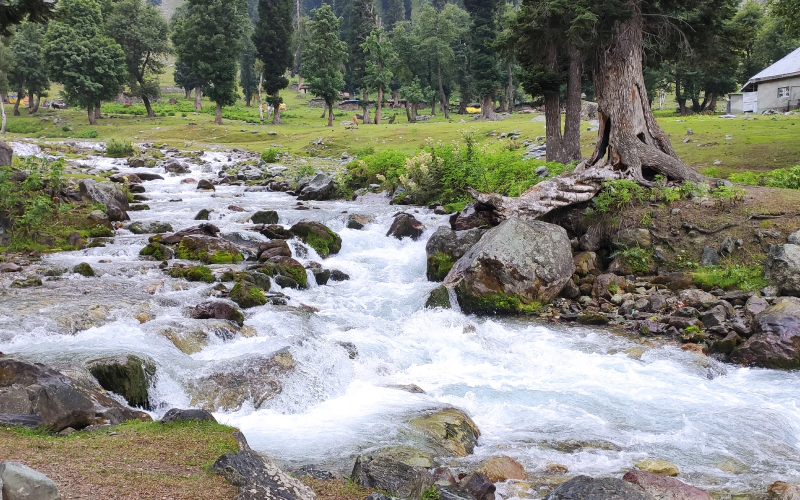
pixel 106 193
pixel 128 376
pixel 776 339
pixel 632 238
pixel 20 482
pixel 179 415
pixel 667 488
pixel 474 215
pixel 258 478
pixel 321 187
pixel 514 267
pixel 150 227
pixel 602 488
pixel 61 402
pixel 265 217
pixel 226 385
pixel 783 268
pixel 6 154
pixel 450 429
pixel 394 474
pixel 445 247
pixel 207 249
pixel 503 468
pixel 319 237
pixel 218 310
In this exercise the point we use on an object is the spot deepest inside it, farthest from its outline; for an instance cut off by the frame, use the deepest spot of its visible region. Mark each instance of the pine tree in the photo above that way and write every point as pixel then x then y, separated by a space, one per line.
pixel 395 12
pixel 380 59
pixel 34 11
pixel 183 75
pixel 79 55
pixel 209 39
pixel 248 77
pixel 143 34
pixel 483 60
pixel 361 15
pixel 29 75
pixel 324 56
pixel 272 39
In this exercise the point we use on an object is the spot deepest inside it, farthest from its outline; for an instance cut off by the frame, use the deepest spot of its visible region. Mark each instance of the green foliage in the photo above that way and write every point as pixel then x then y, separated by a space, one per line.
pixel 495 303
pixel 271 155
pixel 692 329
pixel 271 38
pixel 91 133
pixel 787 178
pixel 79 55
pixel 324 56
pixel 430 493
pixel 728 195
pixel 29 75
pixel 143 33
pixel 617 195
pixel 194 273
pixel 21 127
pixel 729 277
pixel 118 149
pixel 636 258
pixel 691 189
pixel 747 177
pixel 439 264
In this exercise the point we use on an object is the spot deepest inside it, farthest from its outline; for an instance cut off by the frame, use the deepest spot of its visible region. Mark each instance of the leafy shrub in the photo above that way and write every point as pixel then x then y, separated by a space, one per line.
pixel 730 277
pixel 23 127
pixel 691 189
pixel 618 194
pixel 88 134
pixel 118 149
pixel 728 194
pixel 636 258
pixel 747 177
pixel 787 178
pixel 271 155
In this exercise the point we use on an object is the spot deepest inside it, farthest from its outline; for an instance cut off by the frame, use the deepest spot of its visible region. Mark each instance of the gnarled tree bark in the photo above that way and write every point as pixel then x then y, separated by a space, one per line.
pixel 630 144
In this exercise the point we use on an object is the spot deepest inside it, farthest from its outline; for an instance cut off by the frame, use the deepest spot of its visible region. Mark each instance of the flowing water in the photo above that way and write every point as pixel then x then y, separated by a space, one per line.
pixel 540 393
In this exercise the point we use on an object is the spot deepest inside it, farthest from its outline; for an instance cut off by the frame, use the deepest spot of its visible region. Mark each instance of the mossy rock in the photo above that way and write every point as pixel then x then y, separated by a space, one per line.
pixel 202 214
pixel 100 232
pixel 439 264
pixel 494 303
pixel 287 266
pixel 157 251
pixel 207 249
pixel 128 376
pixel 451 428
pixel 247 295
pixel 194 273
pixel 319 237
pixel 28 282
pixel 83 269
pixel 265 217
pixel 439 297
pixel 593 319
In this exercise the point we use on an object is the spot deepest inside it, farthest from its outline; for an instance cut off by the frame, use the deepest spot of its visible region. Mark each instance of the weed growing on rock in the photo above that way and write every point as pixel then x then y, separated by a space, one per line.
pixel 118 149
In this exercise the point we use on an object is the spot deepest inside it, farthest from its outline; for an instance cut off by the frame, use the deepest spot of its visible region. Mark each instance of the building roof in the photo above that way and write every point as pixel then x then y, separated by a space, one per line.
pixel 788 66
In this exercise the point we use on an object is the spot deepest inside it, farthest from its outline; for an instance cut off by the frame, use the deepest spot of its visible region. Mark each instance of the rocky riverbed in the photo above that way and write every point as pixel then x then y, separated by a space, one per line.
pixel 304 324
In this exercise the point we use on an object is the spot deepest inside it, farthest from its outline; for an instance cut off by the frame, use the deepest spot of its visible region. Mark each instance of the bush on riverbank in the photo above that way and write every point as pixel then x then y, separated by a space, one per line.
pixel 443 172
pixel 787 178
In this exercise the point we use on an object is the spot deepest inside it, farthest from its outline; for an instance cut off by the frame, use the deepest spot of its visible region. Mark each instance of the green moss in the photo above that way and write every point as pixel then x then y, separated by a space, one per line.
pixel 439 264
pixel 157 251
pixel 496 303
pixel 324 246
pixel 222 258
pixel 194 273
pixel 100 232
pixel 182 251
pixel 439 297
pixel 729 277
pixel 83 269
pixel 246 295
pixel 296 273
pixel 130 379
pixel 593 319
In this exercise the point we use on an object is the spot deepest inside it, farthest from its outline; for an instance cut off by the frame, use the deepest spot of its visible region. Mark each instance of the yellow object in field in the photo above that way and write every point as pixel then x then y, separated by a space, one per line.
pixel 473 111
pixel 267 107
pixel 283 107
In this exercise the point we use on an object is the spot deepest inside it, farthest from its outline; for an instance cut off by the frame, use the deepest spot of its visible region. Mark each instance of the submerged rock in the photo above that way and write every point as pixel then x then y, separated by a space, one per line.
pixel 150 227
pixel 656 466
pixel 218 310
pixel 83 269
pixel 258 478
pixel 358 221
pixel 603 488
pixel 319 237
pixel 439 297
pixel 265 217
pixel 514 267
pixel 503 468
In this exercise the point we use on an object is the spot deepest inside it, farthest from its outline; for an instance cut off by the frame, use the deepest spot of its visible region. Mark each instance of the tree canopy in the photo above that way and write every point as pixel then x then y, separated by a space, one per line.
pixel 271 39
pixel 324 57
pixel 29 74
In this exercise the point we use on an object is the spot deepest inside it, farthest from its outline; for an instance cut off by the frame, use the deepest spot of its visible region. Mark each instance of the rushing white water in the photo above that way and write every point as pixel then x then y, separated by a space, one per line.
pixel 530 387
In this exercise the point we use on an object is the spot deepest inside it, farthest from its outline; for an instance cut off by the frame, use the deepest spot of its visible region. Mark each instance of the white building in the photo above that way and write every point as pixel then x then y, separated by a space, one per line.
pixel 776 88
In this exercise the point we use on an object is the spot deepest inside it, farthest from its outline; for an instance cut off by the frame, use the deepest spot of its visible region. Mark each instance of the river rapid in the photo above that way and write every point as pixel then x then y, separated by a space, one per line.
pixel 590 399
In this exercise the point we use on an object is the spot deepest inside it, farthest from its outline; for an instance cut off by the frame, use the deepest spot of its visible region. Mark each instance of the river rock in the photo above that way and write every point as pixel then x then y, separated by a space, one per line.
pixel 358 221
pixel 20 482
pixel 674 281
pixel 129 376
pixel 405 226
pixel 512 267
pixel 602 488
pixel 178 415
pixel 19 420
pixel 207 249
pixel 205 185
pixel 176 167
pixel 258 478
pixel 145 176
pixel 445 247
pixel 783 268
pixel 695 298
pixel 386 472
pixel 709 257
pixel 716 316
pixel 665 488
pixel 202 214
pixel 451 429
pixel 10 267
pixel 502 468
pixel 632 238
pixel 607 285
pixel 247 295
pixel 75 240
pixel 479 486
pixel 474 215
pixel 226 385
pixel 276 232
pixel 274 248
pixel 780 490
pixel 290 268
pixel 61 402
pixel 321 187
pixel 265 217
pixel 28 282
pixel 126 178
pixel 93 192
pixel 321 276
pixel 754 306
pixel 449 492
pixel 83 269
pixel 319 237
pixel 776 339
pixel 656 466
pixel 439 297
pixel 150 227
pixel 586 263
pixel 218 310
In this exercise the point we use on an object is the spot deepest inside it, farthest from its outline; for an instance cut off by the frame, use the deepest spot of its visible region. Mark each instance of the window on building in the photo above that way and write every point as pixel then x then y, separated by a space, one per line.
pixel 783 92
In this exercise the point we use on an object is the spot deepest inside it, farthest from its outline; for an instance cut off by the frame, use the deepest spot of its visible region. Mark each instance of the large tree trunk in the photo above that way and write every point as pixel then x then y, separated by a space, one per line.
pixel 148 107
pixel 487 109
pixel 16 105
pixel 188 92
pixel 445 106
pixel 365 109
pixel 218 116
pixel 552 118
pixel 90 112
pixel 510 89
pixel 330 114
pixel 36 104
pixel 712 106
pixel 571 142
pixel 380 105
pixel 260 98
pixel 408 112
pixel 276 118
pixel 97 111
pixel 198 95
pixel 630 143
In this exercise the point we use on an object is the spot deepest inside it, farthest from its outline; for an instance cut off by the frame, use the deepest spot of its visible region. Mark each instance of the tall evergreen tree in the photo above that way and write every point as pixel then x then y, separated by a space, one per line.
pixel 79 55
pixel 483 60
pixel 361 16
pixel 273 34
pixel 324 57
pixel 15 12
pixel 183 75
pixel 394 13
pixel 143 34
pixel 29 75
pixel 380 59
pixel 209 39
pixel 248 77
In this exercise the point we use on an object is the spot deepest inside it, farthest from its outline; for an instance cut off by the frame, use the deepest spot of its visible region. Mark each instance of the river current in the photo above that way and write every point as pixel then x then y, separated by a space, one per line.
pixel 587 398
